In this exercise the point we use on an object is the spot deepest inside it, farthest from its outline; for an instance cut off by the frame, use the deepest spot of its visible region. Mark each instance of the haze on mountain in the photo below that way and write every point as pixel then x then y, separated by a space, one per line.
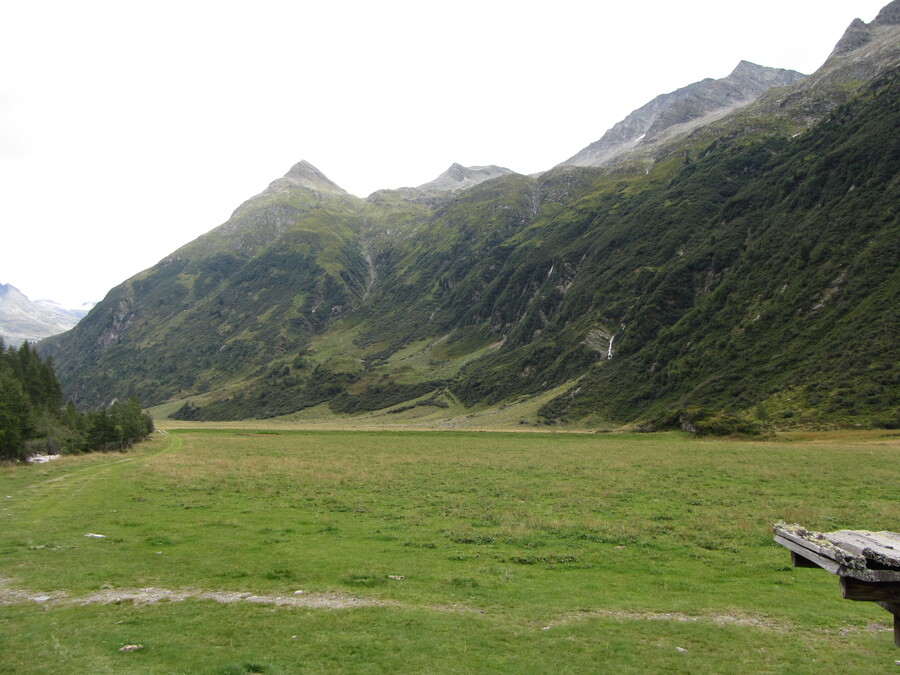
pixel 21 319
pixel 723 258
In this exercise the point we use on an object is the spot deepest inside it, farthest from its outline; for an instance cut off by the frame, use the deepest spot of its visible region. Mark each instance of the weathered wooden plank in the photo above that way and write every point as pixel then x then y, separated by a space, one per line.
pixel 787 535
pixel 818 544
pixel 813 557
pixel 830 565
pixel 870 591
pixel 853 549
pixel 882 548
pixel 872 575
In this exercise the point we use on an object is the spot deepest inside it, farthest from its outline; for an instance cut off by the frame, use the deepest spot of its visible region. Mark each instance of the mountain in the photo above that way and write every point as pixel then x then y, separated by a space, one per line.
pixel 21 319
pixel 453 180
pixel 458 178
pixel 872 44
pixel 682 110
pixel 738 272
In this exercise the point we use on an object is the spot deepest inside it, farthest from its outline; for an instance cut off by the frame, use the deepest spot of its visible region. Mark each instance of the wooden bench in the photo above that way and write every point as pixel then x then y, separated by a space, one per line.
pixel 868 563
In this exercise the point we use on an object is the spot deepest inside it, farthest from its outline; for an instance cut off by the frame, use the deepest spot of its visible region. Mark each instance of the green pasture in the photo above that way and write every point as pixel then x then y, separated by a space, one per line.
pixel 439 552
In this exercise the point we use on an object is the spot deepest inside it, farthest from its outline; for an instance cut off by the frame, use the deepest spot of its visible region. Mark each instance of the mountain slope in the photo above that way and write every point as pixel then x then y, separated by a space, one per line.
pixel 223 306
pixel 775 288
pixel 740 268
pixel 684 109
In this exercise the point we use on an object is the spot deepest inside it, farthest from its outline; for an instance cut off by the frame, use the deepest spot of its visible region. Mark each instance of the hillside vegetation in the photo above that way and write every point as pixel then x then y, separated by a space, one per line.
pixel 745 278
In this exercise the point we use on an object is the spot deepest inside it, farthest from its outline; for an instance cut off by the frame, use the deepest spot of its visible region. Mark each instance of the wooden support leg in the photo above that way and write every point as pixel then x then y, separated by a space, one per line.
pixel 894 608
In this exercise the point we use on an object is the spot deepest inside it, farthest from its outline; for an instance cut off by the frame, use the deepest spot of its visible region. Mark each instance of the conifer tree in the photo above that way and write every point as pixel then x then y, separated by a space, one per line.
pixel 31 408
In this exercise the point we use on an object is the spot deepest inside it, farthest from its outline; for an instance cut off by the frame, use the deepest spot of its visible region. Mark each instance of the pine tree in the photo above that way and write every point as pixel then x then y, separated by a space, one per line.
pixel 15 415
pixel 31 407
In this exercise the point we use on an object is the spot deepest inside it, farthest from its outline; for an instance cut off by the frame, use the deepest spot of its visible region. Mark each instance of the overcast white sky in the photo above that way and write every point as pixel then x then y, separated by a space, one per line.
pixel 129 128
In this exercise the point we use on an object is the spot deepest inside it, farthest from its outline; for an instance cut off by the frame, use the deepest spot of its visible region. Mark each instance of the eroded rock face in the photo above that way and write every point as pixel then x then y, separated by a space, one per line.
pixel 121 319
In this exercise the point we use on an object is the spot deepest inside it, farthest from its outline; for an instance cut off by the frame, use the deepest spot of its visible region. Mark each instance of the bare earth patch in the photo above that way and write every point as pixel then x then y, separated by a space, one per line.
pixel 675 617
pixel 11 595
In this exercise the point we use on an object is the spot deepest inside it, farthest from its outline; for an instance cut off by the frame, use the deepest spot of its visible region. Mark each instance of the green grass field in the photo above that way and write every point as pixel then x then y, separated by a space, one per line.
pixel 439 552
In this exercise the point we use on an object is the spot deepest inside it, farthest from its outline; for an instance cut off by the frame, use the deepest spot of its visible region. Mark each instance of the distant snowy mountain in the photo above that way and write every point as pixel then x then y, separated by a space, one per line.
pixel 21 319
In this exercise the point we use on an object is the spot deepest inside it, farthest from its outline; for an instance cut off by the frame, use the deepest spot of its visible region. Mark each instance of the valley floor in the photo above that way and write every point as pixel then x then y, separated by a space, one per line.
pixel 261 548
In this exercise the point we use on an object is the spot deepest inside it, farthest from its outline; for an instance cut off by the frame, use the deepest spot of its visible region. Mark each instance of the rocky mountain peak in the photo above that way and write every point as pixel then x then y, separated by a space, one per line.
pixel 683 110
pixel 455 179
pixel 889 14
pixel 305 175
pixel 748 69
pixel 859 33
pixel 757 79
pixel 459 177
pixel 264 217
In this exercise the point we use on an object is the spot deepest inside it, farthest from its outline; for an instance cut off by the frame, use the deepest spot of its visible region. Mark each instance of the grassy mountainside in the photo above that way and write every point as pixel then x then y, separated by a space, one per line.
pixel 748 276
pixel 224 306
pixel 783 295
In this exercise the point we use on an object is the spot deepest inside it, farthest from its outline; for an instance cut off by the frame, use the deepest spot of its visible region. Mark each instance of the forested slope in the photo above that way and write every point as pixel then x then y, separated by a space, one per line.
pixel 746 275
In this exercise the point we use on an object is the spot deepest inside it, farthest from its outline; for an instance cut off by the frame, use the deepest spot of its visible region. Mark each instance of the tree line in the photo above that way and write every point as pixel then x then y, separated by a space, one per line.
pixel 35 420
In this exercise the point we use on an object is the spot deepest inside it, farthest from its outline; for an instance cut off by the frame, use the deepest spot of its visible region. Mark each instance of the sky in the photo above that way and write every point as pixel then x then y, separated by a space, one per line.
pixel 128 129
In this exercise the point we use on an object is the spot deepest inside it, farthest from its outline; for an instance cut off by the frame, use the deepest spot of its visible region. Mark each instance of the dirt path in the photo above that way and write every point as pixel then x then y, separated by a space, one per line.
pixel 13 595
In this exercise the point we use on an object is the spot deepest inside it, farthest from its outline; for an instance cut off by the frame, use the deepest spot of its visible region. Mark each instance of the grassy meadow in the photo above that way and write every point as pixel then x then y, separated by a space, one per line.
pixel 279 551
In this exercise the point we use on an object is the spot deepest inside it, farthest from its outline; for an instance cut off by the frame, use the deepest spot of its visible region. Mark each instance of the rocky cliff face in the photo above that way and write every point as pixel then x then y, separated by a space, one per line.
pixel 684 109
